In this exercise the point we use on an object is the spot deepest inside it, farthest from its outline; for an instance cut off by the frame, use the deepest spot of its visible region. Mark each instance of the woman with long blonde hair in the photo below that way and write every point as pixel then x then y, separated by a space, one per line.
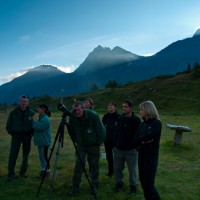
pixel 148 139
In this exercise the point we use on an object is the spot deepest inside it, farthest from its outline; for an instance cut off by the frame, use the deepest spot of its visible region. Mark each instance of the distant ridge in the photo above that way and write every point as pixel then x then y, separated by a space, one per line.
pixel 100 66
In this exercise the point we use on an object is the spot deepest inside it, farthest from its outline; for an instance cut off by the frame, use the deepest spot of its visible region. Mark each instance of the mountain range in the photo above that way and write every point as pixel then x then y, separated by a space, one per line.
pixel 101 66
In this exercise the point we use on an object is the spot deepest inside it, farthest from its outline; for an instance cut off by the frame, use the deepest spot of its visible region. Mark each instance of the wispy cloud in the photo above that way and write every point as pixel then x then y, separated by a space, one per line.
pixel 68 69
pixel 24 39
pixel 75 52
pixel 12 76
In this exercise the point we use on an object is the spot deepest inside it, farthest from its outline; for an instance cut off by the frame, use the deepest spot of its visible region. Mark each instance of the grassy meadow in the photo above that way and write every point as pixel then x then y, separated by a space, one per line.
pixel 177 177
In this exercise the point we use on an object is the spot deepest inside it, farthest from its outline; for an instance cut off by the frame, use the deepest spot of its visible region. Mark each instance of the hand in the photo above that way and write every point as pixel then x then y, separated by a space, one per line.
pixel 147 142
pixel 34 118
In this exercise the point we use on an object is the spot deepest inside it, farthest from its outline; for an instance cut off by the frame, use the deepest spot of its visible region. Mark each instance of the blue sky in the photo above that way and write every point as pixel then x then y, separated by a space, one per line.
pixel 64 32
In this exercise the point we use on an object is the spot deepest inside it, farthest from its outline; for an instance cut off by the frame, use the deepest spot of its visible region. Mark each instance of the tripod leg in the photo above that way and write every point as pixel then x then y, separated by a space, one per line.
pixel 55 166
pixel 48 161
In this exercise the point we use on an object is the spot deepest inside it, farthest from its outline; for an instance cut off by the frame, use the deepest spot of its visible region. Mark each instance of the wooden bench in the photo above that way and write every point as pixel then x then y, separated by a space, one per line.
pixel 178 132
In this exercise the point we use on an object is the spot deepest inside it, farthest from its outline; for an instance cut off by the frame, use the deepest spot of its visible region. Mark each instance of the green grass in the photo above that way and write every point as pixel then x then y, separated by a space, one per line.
pixel 177 177
pixel 177 94
pixel 177 99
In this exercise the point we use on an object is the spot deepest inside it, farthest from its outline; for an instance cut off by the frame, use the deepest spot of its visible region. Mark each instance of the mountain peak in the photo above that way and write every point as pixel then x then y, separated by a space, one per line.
pixel 197 33
pixel 44 68
pixel 120 50
pixel 100 49
pixel 115 50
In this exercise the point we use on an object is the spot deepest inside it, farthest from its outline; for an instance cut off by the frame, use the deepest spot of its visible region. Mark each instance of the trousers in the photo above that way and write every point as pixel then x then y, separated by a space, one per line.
pixel 131 158
pixel 93 156
pixel 16 142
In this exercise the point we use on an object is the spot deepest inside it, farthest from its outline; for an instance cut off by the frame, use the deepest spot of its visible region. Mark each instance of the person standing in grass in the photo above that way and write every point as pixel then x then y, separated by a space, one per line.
pixel 148 139
pixel 90 134
pixel 88 103
pixel 125 147
pixel 42 137
pixel 110 122
pixel 19 126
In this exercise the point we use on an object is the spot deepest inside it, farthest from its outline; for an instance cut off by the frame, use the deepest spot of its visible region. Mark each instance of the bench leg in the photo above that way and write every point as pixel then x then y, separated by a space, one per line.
pixel 178 137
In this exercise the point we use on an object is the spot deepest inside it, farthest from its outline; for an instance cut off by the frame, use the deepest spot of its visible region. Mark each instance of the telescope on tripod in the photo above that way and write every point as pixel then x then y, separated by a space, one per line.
pixel 60 138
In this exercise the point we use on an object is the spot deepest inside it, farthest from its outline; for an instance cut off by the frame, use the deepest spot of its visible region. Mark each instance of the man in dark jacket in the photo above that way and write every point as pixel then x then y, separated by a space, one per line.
pixel 19 126
pixel 90 134
pixel 125 147
pixel 110 122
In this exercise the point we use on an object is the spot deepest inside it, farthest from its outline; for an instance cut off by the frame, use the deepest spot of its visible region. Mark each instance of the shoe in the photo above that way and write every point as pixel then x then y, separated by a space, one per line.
pixel 23 175
pixel 109 173
pixel 119 187
pixel 93 191
pixel 45 173
pixel 133 190
pixel 74 191
pixel 10 178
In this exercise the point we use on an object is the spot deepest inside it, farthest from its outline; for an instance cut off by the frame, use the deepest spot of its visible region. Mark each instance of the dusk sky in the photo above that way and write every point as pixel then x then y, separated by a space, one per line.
pixel 63 32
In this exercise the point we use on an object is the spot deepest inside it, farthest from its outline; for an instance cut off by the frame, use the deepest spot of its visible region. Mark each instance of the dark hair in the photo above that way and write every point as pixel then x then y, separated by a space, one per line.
pixel 46 109
pixel 129 103
pixel 114 104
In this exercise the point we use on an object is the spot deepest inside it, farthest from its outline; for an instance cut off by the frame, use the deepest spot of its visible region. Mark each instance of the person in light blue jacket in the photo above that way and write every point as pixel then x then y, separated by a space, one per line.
pixel 42 137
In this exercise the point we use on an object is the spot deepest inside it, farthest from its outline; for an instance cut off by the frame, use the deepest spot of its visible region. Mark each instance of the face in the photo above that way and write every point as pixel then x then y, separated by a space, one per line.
pixel 111 108
pixel 87 104
pixel 126 108
pixel 78 111
pixel 41 110
pixel 142 113
pixel 23 103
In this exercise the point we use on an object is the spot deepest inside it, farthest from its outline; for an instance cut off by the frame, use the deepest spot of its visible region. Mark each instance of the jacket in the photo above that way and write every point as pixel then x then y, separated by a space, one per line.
pixel 110 122
pixel 89 130
pixel 148 136
pixel 126 130
pixel 42 131
pixel 20 122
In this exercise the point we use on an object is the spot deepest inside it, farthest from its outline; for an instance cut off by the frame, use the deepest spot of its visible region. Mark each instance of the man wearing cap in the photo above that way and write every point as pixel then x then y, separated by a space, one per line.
pixel 19 126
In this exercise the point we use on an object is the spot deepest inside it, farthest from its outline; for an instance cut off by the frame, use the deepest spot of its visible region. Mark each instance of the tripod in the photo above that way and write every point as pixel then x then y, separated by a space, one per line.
pixel 60 137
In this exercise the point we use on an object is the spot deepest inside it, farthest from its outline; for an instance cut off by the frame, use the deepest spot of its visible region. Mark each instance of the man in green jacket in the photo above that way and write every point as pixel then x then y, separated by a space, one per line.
pixel 89 133
pixel 19 126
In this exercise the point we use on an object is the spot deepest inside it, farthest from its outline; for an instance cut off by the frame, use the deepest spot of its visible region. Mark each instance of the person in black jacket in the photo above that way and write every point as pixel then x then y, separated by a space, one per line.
pixel 125 147
pixel 148 139
pixel 110 122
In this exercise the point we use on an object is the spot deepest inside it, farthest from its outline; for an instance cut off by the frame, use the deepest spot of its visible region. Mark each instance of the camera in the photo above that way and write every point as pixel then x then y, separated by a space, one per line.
pixel 65 111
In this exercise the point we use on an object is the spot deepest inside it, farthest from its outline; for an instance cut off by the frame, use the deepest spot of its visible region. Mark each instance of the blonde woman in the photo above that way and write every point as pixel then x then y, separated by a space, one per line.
pixel 148 139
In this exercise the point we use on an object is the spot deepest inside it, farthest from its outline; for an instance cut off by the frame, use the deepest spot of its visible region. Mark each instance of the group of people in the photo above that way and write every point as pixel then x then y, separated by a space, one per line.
pixel 127 140
pixel 130 141
pixel 22 125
